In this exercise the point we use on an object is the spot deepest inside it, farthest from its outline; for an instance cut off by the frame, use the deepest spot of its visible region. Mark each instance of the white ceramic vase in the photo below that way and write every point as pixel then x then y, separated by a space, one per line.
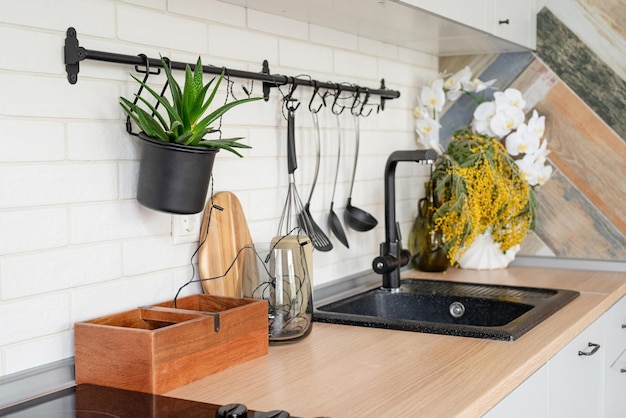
pixel 485 254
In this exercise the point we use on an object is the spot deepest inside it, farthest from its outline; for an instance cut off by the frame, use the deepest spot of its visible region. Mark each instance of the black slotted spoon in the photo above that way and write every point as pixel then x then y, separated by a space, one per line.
pixel 318 238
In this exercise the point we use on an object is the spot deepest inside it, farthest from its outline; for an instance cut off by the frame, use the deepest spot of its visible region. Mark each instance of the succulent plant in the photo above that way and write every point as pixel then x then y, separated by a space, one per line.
pixel 186 122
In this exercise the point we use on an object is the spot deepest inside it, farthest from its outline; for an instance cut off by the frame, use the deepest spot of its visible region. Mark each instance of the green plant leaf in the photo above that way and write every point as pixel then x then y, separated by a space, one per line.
pixel 189 97
pixel 184 138
pixel 205 105
pixel 129 112
pixel 198 74
pixel 197 107
pixel 171 112
pixel 149 125
pixel 184 108
pixel 154 111
pixel 177 100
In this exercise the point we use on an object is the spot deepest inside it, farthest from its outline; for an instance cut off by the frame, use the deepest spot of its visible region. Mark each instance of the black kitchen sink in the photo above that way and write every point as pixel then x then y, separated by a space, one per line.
pixel 462 309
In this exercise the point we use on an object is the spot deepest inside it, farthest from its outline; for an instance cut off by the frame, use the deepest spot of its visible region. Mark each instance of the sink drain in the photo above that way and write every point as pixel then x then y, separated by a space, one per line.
pixel 457 309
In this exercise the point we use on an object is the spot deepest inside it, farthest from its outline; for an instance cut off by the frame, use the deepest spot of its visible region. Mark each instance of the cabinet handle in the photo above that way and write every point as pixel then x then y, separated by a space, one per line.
pixel 623 370
pixel 503 22
pixel 594 348
pixel 623 326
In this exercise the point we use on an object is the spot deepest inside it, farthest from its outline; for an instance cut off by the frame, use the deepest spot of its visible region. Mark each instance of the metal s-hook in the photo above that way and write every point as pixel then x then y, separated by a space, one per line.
pixel 288 99
pixel 146 71
pixel 169 64
pixel 316 89
pixel 337 94
pixel 367 96
pixel 355 102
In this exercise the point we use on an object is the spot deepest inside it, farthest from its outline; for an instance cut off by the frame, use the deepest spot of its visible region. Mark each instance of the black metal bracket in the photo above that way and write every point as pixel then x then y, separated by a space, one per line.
pixel 74 54
pixel 216 320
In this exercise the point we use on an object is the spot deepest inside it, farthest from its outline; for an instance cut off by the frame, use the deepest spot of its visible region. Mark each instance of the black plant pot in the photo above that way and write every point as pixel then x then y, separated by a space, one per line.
pixel 174 178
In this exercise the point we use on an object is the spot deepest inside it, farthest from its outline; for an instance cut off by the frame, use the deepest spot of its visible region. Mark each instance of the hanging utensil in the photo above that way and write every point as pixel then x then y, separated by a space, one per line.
pixel 318 238
pixel 293 203
pixel 333 220
pixel 354 217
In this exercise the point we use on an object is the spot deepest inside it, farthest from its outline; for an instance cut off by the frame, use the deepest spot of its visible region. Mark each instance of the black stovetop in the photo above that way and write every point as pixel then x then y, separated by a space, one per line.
pixel 91 401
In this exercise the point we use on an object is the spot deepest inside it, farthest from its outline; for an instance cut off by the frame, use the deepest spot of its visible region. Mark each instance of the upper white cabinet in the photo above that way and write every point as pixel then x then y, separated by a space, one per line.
pixel 438 27
pixel 515 20
pixel 511 20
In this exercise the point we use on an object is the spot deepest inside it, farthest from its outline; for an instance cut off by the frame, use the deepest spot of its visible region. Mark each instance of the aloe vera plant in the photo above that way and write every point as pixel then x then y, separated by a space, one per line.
pixel 186 122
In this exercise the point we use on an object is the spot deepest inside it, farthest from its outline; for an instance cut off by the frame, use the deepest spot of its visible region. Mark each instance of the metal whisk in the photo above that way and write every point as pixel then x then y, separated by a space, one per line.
pixel 293 204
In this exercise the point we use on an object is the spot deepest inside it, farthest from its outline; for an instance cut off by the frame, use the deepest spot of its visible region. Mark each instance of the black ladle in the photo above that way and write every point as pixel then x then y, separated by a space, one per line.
pixel 333 220
pixel 354 217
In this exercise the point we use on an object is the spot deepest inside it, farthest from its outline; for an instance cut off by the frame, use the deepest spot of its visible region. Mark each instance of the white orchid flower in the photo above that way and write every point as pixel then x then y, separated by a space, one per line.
pixel 454 84
pixel 428 133
pixel 533 172
pixel 433 96
pixel 522 141
pixel 537 124
pixel 541 155
pixel 506 119
pixel 455 81
pixel 476 85
pixel 482 117
pixel 509 97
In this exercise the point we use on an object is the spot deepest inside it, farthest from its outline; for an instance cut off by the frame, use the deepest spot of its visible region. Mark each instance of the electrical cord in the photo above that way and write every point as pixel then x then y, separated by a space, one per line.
pixel 285 320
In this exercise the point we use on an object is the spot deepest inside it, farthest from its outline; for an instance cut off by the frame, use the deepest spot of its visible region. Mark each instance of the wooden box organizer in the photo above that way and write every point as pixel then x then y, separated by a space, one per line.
pixel 158 348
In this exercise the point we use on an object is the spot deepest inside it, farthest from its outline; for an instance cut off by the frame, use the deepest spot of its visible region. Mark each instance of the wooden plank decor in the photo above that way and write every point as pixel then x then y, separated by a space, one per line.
pixel 157 349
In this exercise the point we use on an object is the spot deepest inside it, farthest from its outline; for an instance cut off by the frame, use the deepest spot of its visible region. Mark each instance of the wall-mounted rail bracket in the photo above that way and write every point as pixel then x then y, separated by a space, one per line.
pixel 73 55
pixel 266 86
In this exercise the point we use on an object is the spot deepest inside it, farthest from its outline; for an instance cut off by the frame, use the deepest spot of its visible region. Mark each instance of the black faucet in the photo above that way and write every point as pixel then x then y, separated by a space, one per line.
pixel 392 257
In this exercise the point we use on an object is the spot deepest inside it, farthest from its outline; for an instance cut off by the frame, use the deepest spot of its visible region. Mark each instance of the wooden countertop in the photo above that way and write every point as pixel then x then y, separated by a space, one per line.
pixel 346 371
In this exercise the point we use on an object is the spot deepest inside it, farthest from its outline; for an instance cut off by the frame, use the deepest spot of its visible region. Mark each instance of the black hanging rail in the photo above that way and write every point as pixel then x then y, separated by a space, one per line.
pixel 75 53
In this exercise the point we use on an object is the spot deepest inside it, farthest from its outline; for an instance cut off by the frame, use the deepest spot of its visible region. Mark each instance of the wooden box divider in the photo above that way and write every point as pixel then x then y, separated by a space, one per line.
pixel 158 348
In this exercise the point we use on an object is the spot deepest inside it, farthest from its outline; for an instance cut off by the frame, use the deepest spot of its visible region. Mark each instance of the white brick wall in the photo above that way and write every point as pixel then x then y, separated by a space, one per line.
pixel 74 243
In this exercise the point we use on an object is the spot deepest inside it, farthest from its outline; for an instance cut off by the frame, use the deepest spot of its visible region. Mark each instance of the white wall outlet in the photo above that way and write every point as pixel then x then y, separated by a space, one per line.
pixel 186 228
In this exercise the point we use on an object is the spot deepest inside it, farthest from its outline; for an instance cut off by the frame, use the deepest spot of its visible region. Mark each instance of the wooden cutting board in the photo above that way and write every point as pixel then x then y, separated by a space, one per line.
pixel 226 234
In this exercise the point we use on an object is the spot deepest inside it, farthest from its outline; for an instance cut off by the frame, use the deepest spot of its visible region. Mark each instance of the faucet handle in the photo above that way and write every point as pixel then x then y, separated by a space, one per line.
pixel 387 263
pixel 398 232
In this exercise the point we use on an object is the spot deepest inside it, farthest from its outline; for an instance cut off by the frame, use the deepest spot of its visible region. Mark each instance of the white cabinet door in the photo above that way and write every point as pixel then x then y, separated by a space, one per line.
pixel 473 13
pixel 615 362
pixel 511 20
pixel 515 21
pixel 530 399
pixel 576 375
